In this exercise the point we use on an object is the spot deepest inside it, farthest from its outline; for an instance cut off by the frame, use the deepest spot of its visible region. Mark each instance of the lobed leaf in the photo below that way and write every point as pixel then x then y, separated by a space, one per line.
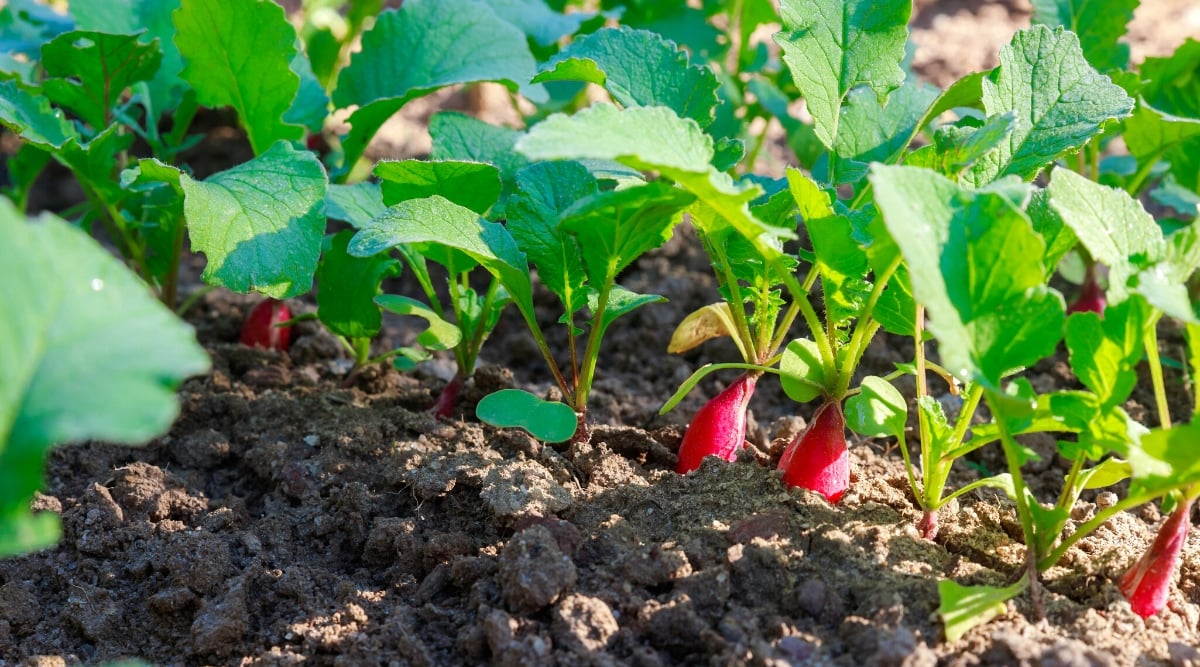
pixel 638 68
pixel 832 47
pixel 238 53
pixel 421 47
pixel 261 223
pixel 1113 226
pixel 1100 25
pixel 549 421
pixel 87 72
pixel 149 20
pixel 545 191
pixel 1060 102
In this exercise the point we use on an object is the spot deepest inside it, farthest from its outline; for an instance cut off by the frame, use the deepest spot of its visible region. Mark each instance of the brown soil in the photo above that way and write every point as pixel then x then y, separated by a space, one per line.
pixel 290 517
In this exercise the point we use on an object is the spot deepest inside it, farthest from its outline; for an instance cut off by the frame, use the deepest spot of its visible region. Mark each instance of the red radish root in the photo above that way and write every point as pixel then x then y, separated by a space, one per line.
pixel 443 408
pixel 817 459
pixel 719 428
pixel 259 330
pixel 1091 297
pixel 1148 583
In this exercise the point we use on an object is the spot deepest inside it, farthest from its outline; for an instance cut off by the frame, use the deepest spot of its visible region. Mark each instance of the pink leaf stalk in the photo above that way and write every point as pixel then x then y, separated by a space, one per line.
pixel 817 459
pixel 1091 297
pixel 1148 583
pixel 719 428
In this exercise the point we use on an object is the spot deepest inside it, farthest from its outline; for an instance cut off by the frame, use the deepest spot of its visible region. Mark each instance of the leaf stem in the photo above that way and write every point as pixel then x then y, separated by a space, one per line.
pixel 591 352
pixel 865 327
pixel 1150 341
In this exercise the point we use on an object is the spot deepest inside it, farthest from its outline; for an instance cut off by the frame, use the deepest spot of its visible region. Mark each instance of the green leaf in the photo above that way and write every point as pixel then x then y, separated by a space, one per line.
pixel 654 138
pixel 643 137
pixel 347 287
pixel 1059 238
pixel 622 301
pixel 965 607
pixel 538 21
pixel 549 421
pixel 616 227
pixel 475 185
pixel 154 199
pixel 460 137
pixel 421 47
pixel 152 19
pixel 639 69
pixel 955 148
pixel 801 373
pixel 1170 83
pixel 261 223
pixel 440 335
pixel 32 118
pixel 436 221
pixel 238 53
pixel 1113 226
pixel 878 410
pixel 1099 24
pixel 1104 354
pixel 544 192
pixel 85 352
pixel 1059 100
pixel 839 258
pixel 873 132
pixel 975 263
pixel 311 106
pixel 87 72
pixel 1166 457
pixel 832 47
pixel 355 204
pixel 93 162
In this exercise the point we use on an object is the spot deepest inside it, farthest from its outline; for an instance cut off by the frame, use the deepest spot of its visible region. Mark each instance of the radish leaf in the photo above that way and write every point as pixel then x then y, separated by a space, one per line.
pixel 638 68
pixel 832 47
pixel 152 19
pixel 88 72
pixel 347 288
pixel 421 47
pixel 964 607
pixel 474 185
pixel 441 335
pixel 238 53
pixel 878 410
pixel 115 383
pixel 1113 226
pixel 544 191
pixel 975 264
pixel 1059 100
pixel 260 223
pixel 1099 24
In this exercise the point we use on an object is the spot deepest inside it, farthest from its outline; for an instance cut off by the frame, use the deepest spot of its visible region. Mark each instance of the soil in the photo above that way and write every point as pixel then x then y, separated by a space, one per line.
pixel 297 514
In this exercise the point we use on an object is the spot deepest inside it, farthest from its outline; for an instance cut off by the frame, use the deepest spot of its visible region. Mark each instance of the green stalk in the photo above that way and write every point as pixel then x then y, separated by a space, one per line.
pixel 362 351
pixel 865 327
pixel 1023 512
pixel 924 429
pixel 737 304
pixel 1150 341
pixel 466 365
pixel 170 289
pixel 591 352
pixel 1100 519
pixel 1143 173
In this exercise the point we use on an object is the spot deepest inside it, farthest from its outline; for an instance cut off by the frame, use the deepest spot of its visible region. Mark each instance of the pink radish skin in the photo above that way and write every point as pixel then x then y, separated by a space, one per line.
pixel 817 459
pixel 1091 297
pixel 1147 584
pixel 259 330
pixel 719 428
pixel 443 408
